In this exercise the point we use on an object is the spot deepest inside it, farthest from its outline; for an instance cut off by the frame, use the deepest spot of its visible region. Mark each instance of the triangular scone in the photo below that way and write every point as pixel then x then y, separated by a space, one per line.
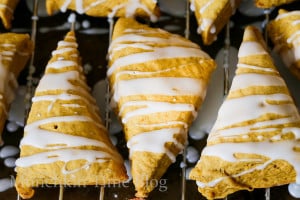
pixel 7 8
pixel 107 8
pixel 15 51
pixel 64 140
pixel 284 31
pixel 271 3
pixel 158 82
pixel 212 16
pixel 253 143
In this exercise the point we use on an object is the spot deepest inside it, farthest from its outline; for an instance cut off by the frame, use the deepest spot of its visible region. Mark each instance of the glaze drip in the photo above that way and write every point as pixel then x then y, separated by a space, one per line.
pixel 148 89
pixel 257 118
pixel 66 95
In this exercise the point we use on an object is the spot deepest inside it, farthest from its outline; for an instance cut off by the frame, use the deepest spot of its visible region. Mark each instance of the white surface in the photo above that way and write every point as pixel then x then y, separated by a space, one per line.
pixel 173 7
pixel 128 169
pixel 8 151
pixel 6 184
pixel 294 190
pixel 192 154
pixel 10 162
pixel 214 97
pixel 98 92
pixel 17 109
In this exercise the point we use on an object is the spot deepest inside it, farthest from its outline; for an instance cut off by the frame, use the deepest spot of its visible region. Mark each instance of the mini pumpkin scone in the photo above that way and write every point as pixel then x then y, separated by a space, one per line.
pixel 212 16
pixel 7 8
pixel 15 51
pixel 284 32
pixel 254 142
pixel 64 140
pixel 271 3
pixel 107 8
pixel 158 82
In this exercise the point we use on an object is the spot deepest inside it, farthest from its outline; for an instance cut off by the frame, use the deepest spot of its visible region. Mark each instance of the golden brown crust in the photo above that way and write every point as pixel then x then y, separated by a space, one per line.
pixel 271 3
pixel 23 50
pixel 20 48
pixel 7 8
pixel 148 8
pixel 212 17
pixel 242 152
pixel 149 165
pixel 145 179
pixel 90 158
pixel 282 31
pixel 275 172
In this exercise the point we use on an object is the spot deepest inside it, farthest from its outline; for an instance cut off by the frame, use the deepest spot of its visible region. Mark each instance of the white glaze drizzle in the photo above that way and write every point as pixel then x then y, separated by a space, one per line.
pixel 270 150
pixel 241 65
pixel 168 86
pixel 154 141
pixel 65 155
pixel 250 79
pixel 283 15
pixel 150 82
pixel 251 48
pixel 61 146
pixel 68 97
pixel 130 7
pixel 257 105
pixel 166 52
pixel 150 107
pixel 248 108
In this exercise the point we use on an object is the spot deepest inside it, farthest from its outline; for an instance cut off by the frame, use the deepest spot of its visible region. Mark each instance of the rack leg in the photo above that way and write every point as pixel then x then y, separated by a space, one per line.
pixel 226 60
pixel 29 85
pixel 183 166
pixel 268 194
pixel 187 20
pixel 265 23
pixel 267 16
pixel 61 192
pixel 107 99
pixel 101 195
pixel 183 179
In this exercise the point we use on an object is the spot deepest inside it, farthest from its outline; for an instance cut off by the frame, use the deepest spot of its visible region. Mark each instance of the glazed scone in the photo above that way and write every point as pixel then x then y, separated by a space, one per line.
pixel 64 140
pixel 284 32
pixel 107 8
pixel 158 82
pixel 15 51
pixel 254 142
pixel 271 3
pixel 212 16
pixel 7 8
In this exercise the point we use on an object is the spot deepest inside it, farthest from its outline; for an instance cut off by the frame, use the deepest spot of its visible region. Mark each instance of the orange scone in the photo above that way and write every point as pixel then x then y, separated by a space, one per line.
pixel 271 3
pixel 158 82
pixel 212 16
pixel 284 32
pixel 254 142
pixel 15 51
pixel 64 140
pixel 7 8
pixel 107 8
